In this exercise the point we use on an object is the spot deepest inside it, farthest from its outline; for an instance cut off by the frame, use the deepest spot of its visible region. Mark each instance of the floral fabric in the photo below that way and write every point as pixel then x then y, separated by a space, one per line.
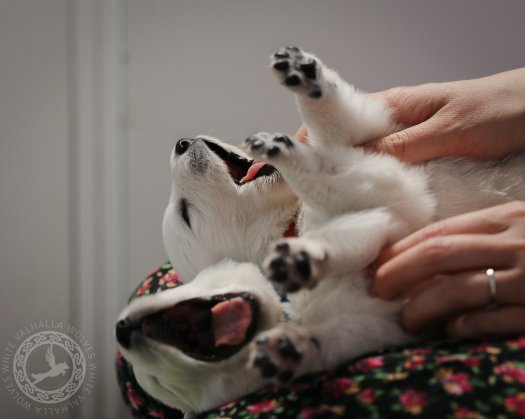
pixel 483 378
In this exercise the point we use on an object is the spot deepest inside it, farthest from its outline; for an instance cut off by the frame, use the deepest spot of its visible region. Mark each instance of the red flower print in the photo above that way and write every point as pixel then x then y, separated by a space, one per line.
pixel 472 362
pixel 312 412
pixel 463 412
pixel 158 413
pixel 511 373
pixel 144 289
pixel 413 401
pixel 456 384
pixel 171 279
pixel 307 413
pixel 263 407
pixel 485 347
pixel 367 396
pixel 469 361
pixel 120 360
pixel 414 362
pixel 337 387
pixel 517 343
pixel 368 364
pixel 133 397
pixel 516 403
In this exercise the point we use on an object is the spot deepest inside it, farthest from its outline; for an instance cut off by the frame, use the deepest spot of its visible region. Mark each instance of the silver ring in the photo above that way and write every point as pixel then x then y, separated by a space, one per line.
pixel 491 277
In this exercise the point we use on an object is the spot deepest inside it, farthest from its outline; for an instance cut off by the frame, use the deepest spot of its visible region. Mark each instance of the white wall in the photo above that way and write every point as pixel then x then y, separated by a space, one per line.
pixel 200 67
pixel 34 216
pixel 58 179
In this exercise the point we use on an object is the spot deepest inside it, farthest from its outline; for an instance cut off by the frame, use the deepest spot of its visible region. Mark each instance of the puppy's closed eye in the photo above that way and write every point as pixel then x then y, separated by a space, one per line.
pixel 184 212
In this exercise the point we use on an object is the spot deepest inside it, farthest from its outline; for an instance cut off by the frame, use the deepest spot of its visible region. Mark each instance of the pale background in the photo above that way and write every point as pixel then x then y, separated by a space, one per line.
pixel 94 94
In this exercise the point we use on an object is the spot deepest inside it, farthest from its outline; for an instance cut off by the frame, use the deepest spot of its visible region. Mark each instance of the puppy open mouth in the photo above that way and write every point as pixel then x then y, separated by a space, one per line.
pixel 208 329
pixel 241 169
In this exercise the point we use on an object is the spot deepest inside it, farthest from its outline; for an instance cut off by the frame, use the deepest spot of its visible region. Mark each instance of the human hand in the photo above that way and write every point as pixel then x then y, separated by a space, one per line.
pixel 302 134
pixel 481 119
pixel 439 272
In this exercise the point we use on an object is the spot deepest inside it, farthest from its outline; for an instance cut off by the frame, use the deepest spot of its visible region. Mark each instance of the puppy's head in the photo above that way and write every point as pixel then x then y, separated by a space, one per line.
pixel 187 345
pixel 222 205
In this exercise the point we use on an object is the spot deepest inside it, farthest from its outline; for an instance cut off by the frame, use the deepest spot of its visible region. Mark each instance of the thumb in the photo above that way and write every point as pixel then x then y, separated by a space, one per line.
pixel 415 144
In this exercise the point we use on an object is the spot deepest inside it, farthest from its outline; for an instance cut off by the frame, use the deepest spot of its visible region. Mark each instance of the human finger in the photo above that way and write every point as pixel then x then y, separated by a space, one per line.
pixel 439 255
pixel 503 320
pixel 428 140
pixel 477 222
pixel 412 105
pixel 302 134
pixel 459 293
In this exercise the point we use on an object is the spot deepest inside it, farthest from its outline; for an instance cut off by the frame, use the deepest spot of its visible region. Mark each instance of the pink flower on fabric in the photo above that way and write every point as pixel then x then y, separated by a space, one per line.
pixel 517 343
pixel 307 413
pixel 472 362
pixel 463 412
pixel 228 405
pixel 263 407
pixel 516 403
pixel 145 287
pixel 367 396
pixel 485 347
pixel 170 279
pixel 413 401
pixel 157 413
pixel 414 362
pixel 457 384
pixel 133 397
pixel 371 363
pixel 510 372
pixel 120 360
pixel 469 361
pixel 338 386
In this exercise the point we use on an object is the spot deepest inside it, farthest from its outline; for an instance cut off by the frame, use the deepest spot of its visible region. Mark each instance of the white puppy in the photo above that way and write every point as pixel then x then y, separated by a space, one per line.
pixel 223 334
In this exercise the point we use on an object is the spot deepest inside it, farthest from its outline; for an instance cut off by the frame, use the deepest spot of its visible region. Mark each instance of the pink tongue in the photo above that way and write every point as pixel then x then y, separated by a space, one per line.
pixel 252 171
pixel 231 320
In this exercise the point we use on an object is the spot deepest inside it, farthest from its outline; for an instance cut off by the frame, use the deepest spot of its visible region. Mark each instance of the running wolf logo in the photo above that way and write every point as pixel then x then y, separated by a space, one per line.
pixel 54 368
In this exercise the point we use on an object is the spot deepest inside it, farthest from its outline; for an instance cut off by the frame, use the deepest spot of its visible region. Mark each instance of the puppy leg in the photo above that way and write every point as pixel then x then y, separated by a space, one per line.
pixel 289 351
pixel 337 180
pixel 333 110
pixel 346 244
pixel 314 174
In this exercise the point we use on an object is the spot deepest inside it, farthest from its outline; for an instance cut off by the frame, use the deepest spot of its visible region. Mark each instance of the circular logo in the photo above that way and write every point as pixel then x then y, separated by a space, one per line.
pixel 49 367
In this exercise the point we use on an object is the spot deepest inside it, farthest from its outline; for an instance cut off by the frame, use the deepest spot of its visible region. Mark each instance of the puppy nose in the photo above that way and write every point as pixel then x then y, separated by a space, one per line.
pixel 182 145
pixel 123 331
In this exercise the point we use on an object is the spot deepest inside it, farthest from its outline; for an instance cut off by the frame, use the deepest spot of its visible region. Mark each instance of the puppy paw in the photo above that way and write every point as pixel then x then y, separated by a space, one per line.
pixel 294 264
pixel 281 353
pixel 299 71
pixel 266 146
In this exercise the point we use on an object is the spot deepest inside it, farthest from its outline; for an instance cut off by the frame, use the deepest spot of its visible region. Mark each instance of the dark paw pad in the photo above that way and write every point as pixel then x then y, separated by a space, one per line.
pixel 298 69
pixel 309 68
pixel 280 353
pixel 266 366
pixel 283 139
pixel 287 349
pixel 290 269
pixel 271 145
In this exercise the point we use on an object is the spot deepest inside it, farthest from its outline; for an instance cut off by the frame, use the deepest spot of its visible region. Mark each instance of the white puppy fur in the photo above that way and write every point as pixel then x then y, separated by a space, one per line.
pixel 350 206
